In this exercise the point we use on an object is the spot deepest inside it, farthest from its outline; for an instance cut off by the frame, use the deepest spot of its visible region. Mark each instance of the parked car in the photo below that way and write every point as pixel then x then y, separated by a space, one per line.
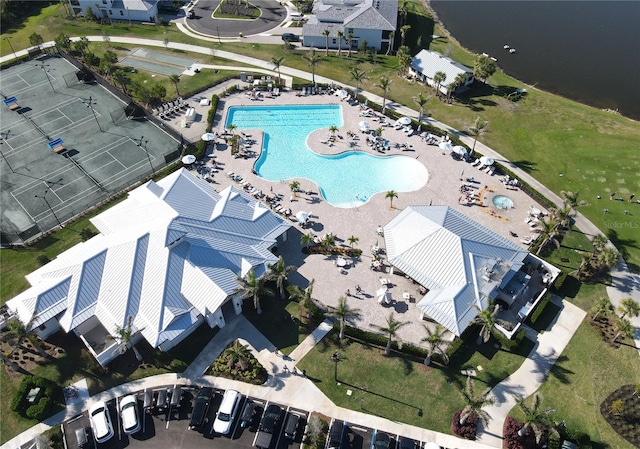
pixel 290 37
pixel 227 412
pixel 381 441
pixel 248 414
pixel 291 427
pixel 200 408
pixel 100 422
pixel 407 443
pixel 268 425
pixel 334 439
pixel 129 414
pixel 296 16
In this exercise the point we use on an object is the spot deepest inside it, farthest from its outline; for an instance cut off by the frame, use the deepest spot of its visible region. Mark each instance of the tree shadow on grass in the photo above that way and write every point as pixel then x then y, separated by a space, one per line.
pixel 525 165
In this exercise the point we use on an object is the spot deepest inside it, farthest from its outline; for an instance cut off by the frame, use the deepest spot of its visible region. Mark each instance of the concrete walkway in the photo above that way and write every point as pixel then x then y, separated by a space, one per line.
pixel 535 369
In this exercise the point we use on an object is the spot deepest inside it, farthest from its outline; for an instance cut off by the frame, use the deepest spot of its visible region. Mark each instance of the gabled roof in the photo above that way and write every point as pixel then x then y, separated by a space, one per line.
pixel 458 260
pixel 134 5
pixel 358 14
pixel 167 254
pixel 429 62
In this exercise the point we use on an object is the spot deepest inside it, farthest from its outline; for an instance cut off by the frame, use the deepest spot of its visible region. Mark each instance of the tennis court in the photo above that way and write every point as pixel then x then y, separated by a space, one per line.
pixel 101 148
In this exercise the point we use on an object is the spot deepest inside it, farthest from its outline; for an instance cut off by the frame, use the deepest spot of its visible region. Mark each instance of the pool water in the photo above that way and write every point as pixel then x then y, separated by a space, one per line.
pixel 349 179
pixel 502 202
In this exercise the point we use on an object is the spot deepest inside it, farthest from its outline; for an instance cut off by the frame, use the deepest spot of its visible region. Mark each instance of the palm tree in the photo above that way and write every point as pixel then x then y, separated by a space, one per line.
pixel 326 33
pixel 333 129
pixel 358 76
pixel 549 233
pixel 305 297
pixel 340 39
pixel 232 127
pixel 353 240
pixel 629 307
pixel 487 319
pixel 475 403
pixel 391 329
pixel 421 100
pixel 606 258
pixel 277 63
pixel 121 77
pixel 294 186
pixel 306 239
pixel 125 336
pixel 435 343
pixel 403 33
pixel 460 79
pixel 391 194
pixel 349 39
pixel 602 307
pixel 570 199
pixel 278 273
pixel 384 85
pixel 344 313
pixel 175 79
pixel 312 61
pixel 239 354
pixel 536 417
pixel 404 59
pixel 623 328
pixel 19 333
pixel 253 287
pixel 476 130
pixel 329 240
pixel 438 78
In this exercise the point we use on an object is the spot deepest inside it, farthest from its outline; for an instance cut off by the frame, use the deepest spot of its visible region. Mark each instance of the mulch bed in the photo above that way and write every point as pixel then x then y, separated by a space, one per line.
pixel 604 326
pixel 627 423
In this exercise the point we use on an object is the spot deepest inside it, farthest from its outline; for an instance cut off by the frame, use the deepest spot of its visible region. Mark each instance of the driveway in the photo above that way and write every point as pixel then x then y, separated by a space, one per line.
pixel 272 15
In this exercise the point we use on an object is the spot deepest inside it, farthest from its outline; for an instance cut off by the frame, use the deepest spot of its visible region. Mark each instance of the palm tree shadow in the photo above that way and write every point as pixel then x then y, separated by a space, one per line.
pixel 527 166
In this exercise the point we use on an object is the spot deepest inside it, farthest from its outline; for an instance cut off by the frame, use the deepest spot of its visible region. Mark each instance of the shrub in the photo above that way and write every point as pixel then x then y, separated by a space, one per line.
pixel 39 411
pixel 202 145
pixel 557 285
pixel 617 407
pixel 468 430
pixel 43 259
pixel 541 306
pixel 510 344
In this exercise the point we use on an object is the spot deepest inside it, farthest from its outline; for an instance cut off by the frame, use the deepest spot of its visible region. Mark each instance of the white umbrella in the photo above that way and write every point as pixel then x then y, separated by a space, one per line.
pixel 302 216
pixel 462 151
pixel 486 160
pixel 445 146
pixel 342 93
pixel 189 159
pixel 364 124
pixel 404 121
pixel 208 137
pixel 383 295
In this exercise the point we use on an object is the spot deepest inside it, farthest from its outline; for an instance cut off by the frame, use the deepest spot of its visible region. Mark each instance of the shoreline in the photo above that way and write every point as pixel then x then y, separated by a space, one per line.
pixel 437 21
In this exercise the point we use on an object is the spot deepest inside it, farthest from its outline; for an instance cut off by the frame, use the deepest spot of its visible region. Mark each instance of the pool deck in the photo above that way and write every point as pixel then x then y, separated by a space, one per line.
pixel 442 188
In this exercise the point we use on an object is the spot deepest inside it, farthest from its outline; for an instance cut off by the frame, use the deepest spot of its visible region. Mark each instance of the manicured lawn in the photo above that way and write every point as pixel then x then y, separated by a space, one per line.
pixel 402 388
pixel 586 373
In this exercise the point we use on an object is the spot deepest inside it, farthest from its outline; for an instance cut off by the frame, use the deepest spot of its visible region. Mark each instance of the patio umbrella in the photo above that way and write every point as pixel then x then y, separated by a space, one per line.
pixel 342 93
pixel 404 121
pixel 486 160
pixel 458 149
pixel 363 125
pixel 302 216
pixel 208 137
pixel 382 294
pixel 189 159
pixel 445 146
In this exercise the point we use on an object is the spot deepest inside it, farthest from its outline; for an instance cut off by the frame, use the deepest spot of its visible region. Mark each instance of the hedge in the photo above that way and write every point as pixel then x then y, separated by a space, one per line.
pixel 557 285
pixel 202 145
pixel 540 309
pixel 39 410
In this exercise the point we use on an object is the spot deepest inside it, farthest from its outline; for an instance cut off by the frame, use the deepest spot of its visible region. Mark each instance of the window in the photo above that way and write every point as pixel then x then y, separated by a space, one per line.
pixel 104 2
pixel 121 12
pixel 334 41
pixel 350 31
pixel 75 2
pixel 110 12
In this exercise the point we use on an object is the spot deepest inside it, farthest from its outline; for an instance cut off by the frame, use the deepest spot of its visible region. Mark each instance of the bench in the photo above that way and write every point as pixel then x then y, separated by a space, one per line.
pixel 11 103
pixel 56 146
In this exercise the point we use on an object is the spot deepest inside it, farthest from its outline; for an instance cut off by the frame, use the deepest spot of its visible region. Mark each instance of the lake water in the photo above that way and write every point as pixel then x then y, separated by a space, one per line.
pixel 588 51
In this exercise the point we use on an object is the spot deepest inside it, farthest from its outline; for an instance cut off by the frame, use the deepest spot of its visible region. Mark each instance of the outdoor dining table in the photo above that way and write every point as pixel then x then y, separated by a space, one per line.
pixel 384 281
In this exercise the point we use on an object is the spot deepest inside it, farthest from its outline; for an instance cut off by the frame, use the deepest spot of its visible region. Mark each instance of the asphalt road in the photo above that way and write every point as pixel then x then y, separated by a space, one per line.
pixel 272 15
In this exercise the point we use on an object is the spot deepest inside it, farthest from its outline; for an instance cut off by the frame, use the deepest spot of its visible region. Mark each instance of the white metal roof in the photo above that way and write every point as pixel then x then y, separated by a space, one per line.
pixel 458 260
pixel 167 254
pixel 429 62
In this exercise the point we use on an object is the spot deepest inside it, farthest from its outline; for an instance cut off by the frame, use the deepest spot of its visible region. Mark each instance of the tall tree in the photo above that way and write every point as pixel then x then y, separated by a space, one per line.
pixel 483 68
pixel 629 307
pixel 125 334
pixel 549 233
pixel 487 320
pixel 278 273
pixel 570 199
pixel 343 313
pixel 475 130
pixel 63 42
pixel 404 60
pixel 475 403
pixel 536 418
pixel 326 33
pixel 238 354
pixel 390 328
pixel 340 34
pixel 358 76
pixel 313 60
pixel 81 45
pixel 391 194
pixel 306 239
pixel 349 39
pixel 252 287
pixel 384 85
pixel 421 101
pixel 277 63
pixel 404 29
pixel 438 79
pixel 304 297
pixel 353 240
pixel 175 79
pixel 436 344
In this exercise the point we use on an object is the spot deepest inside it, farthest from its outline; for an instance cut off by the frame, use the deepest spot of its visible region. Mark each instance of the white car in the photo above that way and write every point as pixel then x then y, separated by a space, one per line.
pixel 101 422
pixel 227 412
pixel 129 414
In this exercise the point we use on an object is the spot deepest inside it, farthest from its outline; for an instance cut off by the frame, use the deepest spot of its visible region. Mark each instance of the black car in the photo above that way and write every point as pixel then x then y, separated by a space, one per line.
pixel 271 418
pixel 406 443
pixel 381 441
pixel 291 427
pixel 335 435
pixel 290 37
pixel 200 408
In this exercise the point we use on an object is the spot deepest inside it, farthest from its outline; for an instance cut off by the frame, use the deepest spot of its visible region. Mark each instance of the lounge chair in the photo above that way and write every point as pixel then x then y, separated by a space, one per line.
pixel 476 162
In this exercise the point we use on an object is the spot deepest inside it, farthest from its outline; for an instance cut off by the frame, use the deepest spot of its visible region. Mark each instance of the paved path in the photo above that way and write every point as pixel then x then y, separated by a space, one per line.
pixel 535 369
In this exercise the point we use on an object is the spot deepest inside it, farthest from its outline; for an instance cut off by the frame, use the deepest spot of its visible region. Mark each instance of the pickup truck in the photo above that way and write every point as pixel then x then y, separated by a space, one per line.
pixel 200 408
pixel 268 425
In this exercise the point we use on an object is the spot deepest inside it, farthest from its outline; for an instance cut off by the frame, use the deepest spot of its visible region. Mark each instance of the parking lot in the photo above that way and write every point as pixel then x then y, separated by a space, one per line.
pixel 169 426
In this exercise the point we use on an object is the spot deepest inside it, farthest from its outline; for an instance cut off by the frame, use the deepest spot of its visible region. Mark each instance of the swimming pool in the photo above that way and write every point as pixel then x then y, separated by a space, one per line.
pixel 346 180
pixel 502 202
